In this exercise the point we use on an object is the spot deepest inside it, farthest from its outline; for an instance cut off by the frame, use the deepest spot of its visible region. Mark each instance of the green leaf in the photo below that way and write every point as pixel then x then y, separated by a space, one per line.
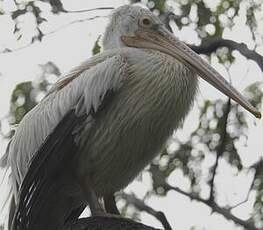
pixel 96 48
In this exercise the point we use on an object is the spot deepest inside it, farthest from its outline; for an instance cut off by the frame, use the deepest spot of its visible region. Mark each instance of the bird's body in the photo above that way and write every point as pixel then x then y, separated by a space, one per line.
pixel 121 136
pixel 105 121
pixel 139 119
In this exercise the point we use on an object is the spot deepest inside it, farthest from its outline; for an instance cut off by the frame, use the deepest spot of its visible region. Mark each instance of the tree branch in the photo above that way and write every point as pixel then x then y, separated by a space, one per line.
pixel 211 45
pixel 107 223
pixel 7 50
pixel 226 212
pixel 241 202
pixel 220 150
pixel 73 22
pixel 88 10
pixel 215 207
pixel 207 46
pixel 141 206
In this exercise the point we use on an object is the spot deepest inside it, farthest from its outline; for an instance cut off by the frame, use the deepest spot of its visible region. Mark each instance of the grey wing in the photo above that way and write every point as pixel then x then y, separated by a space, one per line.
pixel 46 175
pixel 83 93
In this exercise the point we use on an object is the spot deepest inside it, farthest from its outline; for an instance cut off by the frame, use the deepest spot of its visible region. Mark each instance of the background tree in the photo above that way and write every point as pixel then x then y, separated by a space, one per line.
pixel 221 128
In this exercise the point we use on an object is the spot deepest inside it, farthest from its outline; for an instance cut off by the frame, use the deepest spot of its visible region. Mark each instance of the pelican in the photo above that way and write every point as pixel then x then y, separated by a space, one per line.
pixel 102 123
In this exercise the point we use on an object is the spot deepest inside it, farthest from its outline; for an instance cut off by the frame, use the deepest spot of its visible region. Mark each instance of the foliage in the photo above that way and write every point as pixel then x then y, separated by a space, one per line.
pixel 214 135
pixel 25 8
pixel 96 47
pixel 28 94
pixel 221 125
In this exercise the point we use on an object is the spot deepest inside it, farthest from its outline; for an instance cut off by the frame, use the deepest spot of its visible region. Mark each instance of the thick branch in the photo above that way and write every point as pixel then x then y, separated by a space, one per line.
pixel 107 223
pixel 140 205
pixel 211 45
pixel 215 208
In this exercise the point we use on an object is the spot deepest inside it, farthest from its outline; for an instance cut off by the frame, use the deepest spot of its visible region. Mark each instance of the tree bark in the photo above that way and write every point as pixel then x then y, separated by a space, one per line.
pixel 108 223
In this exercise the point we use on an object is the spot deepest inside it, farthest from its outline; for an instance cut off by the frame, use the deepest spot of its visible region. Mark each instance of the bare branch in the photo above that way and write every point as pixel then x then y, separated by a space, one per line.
pixel 215 207
pixel 226 212
pixel 107 223
pixel 207 46
pixel 211 45
pixel 242 202
pixel 140 205
pixel 77 11
pixel 7 50
pixel 73 22
pixel 88 10
pixel 220 150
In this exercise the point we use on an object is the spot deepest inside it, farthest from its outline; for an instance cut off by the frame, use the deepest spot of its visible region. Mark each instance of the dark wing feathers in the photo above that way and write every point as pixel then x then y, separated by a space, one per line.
pixel 41 178
pixel 42 196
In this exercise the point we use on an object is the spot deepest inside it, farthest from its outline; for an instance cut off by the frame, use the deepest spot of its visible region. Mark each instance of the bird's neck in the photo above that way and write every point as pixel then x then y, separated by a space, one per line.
pixel 162 83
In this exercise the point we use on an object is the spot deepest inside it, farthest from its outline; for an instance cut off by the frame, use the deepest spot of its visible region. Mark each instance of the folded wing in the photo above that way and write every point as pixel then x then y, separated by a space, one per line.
pixel 71 107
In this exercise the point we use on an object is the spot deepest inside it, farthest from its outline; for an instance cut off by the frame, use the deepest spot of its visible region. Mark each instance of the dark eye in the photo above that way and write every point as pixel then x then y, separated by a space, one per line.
pixel 145 22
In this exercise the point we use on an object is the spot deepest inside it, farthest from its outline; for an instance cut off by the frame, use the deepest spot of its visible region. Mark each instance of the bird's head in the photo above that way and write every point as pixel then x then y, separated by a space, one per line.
pixel 125 20
pixel 134 26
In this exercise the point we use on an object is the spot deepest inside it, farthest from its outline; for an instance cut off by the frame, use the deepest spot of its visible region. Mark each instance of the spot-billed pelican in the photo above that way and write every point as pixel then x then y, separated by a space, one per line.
pixel 101 124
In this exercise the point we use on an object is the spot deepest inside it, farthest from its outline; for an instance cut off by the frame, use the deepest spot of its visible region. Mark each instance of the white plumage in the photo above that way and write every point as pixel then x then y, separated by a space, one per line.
pixel 139 100
pixel 41 120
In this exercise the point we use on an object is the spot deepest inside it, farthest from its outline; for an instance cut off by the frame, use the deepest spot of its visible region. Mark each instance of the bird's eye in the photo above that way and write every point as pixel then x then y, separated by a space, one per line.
pixel 145 22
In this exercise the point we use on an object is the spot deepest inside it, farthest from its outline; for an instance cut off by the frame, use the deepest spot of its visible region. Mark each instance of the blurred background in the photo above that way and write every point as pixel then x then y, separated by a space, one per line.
pixel 210 175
